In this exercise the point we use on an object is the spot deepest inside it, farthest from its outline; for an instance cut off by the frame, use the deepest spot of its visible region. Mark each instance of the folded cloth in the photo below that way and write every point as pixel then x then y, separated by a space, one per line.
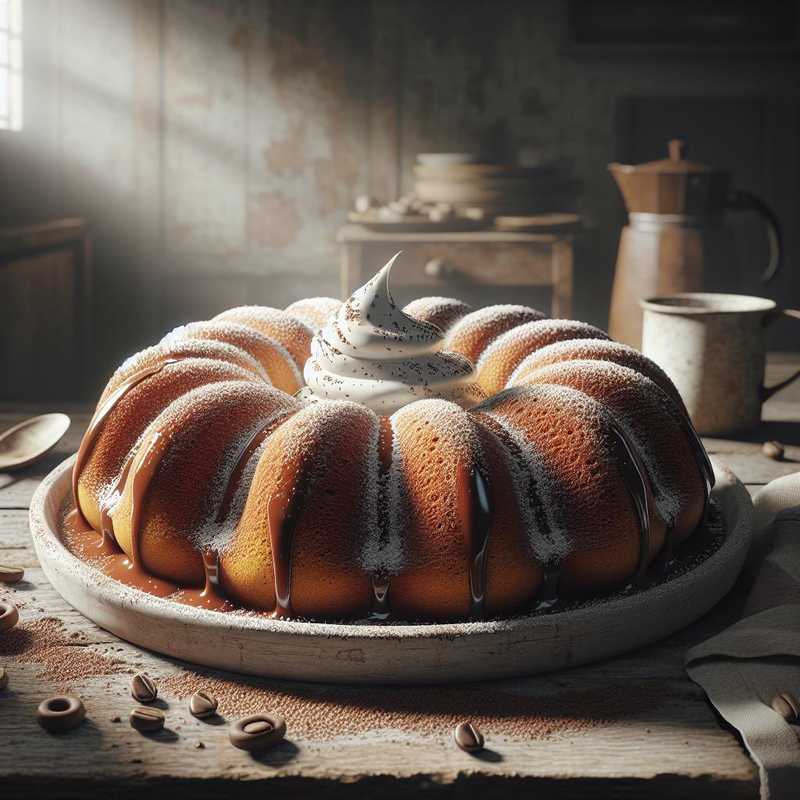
pixel 745 666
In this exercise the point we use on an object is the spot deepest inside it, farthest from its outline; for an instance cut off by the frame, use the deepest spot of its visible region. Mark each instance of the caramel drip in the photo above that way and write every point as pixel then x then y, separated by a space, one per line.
pixel 141 475
pixel 140 471
pixel 255 441
pixel 211 596
pixel 703 461
pixel 108 539
pixel 83 539
pixel 122 569
pixel 664 559
pixel 698 449
pixel 634 475
pixel 479 526
pixel 548 591
pixel 99 418
pixel 518 457
pixel 283 511
pixel 281 528
pixel 379 608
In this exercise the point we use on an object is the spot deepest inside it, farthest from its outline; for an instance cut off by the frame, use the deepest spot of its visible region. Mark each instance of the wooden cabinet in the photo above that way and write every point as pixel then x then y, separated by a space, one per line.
pixel 45 290
pixel 463 265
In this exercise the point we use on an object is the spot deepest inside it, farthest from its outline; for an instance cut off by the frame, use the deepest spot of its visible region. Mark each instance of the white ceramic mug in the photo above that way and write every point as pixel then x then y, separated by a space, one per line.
pixel 713 346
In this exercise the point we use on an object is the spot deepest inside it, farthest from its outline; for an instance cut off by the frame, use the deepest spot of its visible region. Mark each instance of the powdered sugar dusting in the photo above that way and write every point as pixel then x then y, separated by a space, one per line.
pixel 314 311
pixel 443 312
pixel 504 354
pixel 192 348
pixel 634 400
pixel 291 332
pixel 268 351
pixel 213 423
pixel 595 349
pixel 473 333
pixel 548 537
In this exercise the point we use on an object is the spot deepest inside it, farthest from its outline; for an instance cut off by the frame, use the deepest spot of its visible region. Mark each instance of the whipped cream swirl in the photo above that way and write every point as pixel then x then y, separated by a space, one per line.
pixel 372 353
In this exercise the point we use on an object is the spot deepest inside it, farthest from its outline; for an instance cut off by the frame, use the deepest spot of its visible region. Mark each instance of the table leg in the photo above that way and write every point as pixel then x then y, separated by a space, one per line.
pixel 561 306
pixel 350 269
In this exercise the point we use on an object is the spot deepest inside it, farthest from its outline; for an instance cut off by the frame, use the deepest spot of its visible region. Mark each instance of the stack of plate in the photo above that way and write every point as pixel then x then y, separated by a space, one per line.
pixel 463 182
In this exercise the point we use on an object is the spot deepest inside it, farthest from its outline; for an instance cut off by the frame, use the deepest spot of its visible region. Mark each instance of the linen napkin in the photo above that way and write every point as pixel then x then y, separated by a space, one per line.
pixel 745 666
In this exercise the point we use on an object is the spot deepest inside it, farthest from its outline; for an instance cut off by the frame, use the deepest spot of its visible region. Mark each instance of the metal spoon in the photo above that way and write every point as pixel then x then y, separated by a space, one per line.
pixel 31 439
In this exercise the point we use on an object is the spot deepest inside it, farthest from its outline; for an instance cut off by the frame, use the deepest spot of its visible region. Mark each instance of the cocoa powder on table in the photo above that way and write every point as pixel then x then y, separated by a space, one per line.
pixel 324 712
pixel 64 658
pixel 321 712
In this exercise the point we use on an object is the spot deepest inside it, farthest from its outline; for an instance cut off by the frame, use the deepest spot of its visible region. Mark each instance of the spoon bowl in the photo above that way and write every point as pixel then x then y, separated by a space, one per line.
pixel 31 439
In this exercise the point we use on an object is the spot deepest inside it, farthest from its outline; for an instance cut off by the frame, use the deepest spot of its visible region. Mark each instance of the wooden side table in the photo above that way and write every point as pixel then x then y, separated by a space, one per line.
pixel 462 264
pixel 45 291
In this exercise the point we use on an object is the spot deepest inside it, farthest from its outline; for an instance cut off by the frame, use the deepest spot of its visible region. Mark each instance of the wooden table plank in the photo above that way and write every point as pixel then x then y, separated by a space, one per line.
pixel 673 746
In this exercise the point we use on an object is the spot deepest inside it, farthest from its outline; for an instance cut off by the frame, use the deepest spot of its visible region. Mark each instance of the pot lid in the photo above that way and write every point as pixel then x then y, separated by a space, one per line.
pixel 676 163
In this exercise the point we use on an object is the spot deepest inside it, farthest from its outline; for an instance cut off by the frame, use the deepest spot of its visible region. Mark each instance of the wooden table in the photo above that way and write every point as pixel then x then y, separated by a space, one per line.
pixel 674 747
pixel 462 264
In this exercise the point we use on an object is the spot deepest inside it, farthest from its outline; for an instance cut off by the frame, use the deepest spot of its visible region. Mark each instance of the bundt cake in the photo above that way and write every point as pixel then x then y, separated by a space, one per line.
pixel 343 460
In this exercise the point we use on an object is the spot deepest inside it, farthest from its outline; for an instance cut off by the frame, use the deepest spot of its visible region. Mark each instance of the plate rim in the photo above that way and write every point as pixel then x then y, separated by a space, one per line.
pixel 56 559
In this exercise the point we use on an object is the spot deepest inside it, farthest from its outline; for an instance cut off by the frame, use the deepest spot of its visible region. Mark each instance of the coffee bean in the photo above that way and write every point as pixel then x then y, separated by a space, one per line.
pixel 773 450
pixel 60 713
pixel 3 679
pixel 258 732
pixel 203 704
pixel 147 720
pixel 9 616
pixel 468 737
pixel 143 688
pixel 787 706
pixel 11 574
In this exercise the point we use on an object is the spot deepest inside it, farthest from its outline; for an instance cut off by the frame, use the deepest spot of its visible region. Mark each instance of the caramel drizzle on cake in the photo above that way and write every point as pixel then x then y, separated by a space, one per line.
pixel 480 525
pixel 635 476
pixel 283 512
pixel 99 418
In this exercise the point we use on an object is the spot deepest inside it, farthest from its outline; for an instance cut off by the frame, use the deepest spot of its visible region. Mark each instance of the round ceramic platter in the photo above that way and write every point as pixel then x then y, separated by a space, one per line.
pixel 385 653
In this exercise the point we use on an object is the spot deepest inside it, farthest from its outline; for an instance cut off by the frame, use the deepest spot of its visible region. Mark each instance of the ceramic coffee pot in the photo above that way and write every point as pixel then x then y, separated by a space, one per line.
pixel 675 239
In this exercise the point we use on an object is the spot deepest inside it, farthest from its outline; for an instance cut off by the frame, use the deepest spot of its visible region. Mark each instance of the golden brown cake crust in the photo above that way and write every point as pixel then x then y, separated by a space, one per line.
pixel 200 462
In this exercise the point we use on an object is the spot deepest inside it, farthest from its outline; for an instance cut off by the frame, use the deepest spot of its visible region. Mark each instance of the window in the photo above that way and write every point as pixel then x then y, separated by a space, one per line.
pixel 11 64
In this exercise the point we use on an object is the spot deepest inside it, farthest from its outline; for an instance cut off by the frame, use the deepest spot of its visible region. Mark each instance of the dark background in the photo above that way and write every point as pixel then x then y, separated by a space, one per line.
pixel 214 146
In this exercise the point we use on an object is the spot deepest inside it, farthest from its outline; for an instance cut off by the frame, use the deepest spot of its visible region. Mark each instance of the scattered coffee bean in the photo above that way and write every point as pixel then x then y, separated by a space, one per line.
pixel 143 688
pixel 773 450
pixel 3 679
pixel 203 704
pixel 468 737
pixel 60 713
pixel 11 574
pixel 199 746
pixel 787 706
pixel 147 720
pixel 257 732
pixel 116 719
pixel 9 616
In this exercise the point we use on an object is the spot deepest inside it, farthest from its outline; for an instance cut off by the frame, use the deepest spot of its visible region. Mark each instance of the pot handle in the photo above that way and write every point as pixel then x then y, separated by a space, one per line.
pixel 739 200
pixel 779 313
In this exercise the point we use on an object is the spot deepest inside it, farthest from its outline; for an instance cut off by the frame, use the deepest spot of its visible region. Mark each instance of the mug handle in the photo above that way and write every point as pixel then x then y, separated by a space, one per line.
pixel 739 200
pixel 772 316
